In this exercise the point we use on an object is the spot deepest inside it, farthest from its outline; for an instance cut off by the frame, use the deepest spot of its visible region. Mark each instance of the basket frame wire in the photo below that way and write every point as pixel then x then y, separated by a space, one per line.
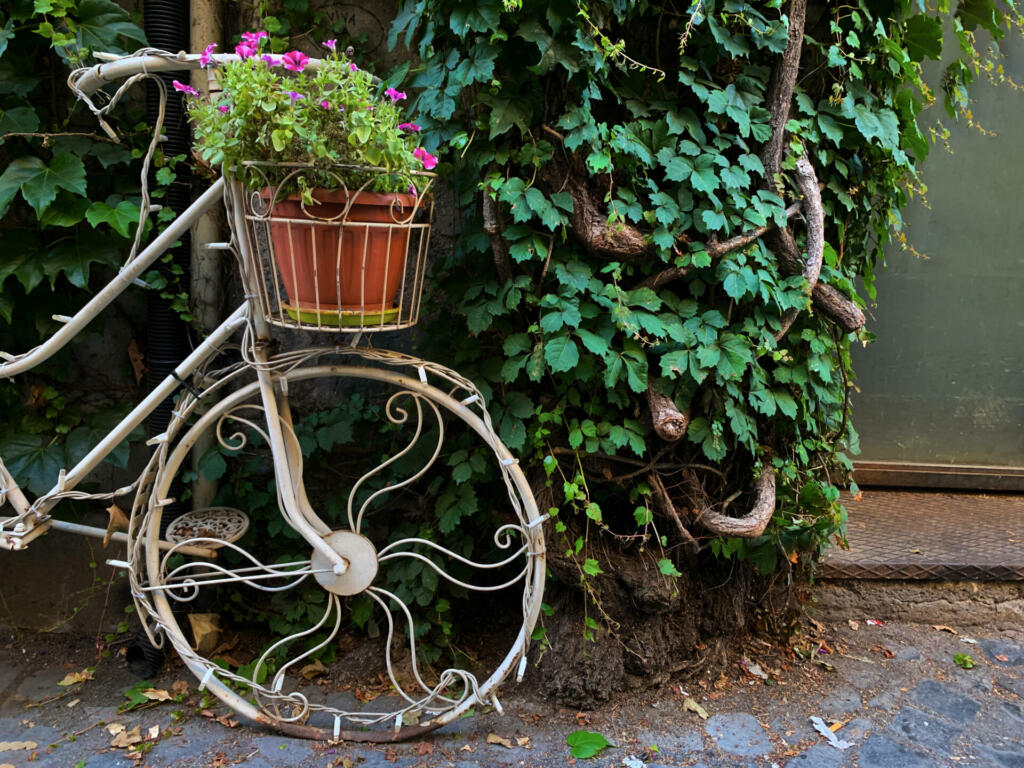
pixel 355 306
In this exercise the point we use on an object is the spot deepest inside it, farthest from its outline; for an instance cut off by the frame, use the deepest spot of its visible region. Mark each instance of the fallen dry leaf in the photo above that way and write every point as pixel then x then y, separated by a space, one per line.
pixel 467 748
pixel 690 704
pixel 854 625
pixel 73 678
pixel 424 748
pixel 227 721
pixel 944 628
pixel 137 359
pixel 493 738
pixel 6 765
pixel 1002 657
pixel 73 703
pixel 117 521
pixel 206 713
pixel 523 741
pixel 205 630
pixel 314 669
pixel 14 746
pixel 126 739
pixel 153 733
pixel 114 728
pixel 179 687
pixel 156 694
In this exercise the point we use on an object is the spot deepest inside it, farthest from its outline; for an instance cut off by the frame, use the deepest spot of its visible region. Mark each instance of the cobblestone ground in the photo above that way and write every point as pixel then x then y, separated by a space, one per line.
pixel 892 692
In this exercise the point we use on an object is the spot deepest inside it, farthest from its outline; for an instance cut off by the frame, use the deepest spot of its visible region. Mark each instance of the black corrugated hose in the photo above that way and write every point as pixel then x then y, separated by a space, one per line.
pixel 167 342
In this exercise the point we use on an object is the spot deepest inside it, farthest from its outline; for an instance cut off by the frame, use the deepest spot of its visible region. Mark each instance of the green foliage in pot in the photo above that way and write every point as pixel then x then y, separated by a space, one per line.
pixel 289 108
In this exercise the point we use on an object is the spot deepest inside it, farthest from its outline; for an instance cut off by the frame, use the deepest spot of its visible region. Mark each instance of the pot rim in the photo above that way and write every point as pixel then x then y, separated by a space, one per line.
pixel 323 196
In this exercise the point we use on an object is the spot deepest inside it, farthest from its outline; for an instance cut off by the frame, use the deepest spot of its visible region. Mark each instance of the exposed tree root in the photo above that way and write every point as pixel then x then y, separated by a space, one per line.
pixel 752 524
pixel 814 215
pixel 669 422
pixel 495 229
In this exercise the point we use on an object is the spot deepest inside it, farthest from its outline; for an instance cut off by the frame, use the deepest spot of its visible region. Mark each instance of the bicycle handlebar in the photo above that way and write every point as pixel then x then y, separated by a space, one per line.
pixel 88 80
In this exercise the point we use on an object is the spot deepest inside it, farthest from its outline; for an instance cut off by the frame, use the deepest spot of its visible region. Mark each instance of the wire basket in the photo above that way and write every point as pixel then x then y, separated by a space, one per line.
pixel 353 261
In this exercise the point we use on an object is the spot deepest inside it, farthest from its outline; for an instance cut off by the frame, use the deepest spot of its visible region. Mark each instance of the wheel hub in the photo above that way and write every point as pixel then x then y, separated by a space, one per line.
pixel 359 553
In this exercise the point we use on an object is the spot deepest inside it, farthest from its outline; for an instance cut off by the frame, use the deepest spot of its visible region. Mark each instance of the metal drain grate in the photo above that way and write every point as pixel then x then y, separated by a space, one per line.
pixel 928 535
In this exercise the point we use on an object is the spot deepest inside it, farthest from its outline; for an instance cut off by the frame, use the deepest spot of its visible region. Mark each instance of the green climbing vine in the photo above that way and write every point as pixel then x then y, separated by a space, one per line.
pixel 608 162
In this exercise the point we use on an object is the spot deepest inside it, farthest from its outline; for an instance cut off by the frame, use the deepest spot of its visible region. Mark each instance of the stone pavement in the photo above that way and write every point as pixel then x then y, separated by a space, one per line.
pixel 891 691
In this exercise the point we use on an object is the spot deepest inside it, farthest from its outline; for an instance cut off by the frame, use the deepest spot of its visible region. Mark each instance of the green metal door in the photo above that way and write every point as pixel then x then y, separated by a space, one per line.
pixel 942 390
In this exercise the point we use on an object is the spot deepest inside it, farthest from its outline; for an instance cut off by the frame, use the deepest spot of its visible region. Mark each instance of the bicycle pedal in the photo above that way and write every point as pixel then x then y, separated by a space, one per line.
pixel 225 524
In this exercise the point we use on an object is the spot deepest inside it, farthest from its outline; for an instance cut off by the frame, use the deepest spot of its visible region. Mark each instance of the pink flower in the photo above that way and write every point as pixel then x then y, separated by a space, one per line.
pixel 271 60
pixel 224 108
pixel 253 38
pixel 412 190
pixel 246 51
pixel 325 104
pixel 395 96
pixel 352 66
pixel 330 44
pixel 184 88
pixel 295 61
pixel 204 57
pixel 428 160
pixel 295 96
pixel 409 127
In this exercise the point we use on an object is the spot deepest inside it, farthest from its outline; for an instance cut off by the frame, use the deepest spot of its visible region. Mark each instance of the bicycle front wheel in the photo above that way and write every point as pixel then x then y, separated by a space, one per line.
pixel 436 538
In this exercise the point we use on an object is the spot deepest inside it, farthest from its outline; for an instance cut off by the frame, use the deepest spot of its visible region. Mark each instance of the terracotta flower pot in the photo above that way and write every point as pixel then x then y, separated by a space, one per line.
pixel 352 264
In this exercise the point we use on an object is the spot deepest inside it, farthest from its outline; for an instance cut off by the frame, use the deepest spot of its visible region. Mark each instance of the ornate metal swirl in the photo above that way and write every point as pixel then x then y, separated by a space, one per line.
pixel 399 416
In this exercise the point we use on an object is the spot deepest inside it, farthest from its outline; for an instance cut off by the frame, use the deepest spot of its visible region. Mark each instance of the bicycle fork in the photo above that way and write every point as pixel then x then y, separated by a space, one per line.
pixel 295 506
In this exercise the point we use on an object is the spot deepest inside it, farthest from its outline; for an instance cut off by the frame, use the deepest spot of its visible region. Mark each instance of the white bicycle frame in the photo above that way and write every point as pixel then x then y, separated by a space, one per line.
pixel 33 519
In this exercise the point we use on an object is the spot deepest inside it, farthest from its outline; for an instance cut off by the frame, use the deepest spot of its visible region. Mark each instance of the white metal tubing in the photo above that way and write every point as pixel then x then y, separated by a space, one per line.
pixel 284 474
pixel 120 536
pixel 117 285
pixel 166 387
pixel 100 75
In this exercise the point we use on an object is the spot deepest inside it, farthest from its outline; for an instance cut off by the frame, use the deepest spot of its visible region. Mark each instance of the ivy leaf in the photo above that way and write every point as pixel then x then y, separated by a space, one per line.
pixel 979 13
pixel 561 353
pixel 922 37
pixel 6 35
pixel 513 433
pixel 830 127
pixel 101 23
pixel 66 211
pixel 713 220
pixel 586 744
pixel 668 568
pixel 594 343
pixel 519 405
pixel 515 344
pixel 785 402
pixel 18 120
pixel 535 363
pixel 636 372
pixel 704 178
pixel 592 568
pixel 33 462
pixel 120 217
pixel 73 258
pixel 735 357
pixel 454 504
pixel 678 169
pixel 507 112
pixel 39 182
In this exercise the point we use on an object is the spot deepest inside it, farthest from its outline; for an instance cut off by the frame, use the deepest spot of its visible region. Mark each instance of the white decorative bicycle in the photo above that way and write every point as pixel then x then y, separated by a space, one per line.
pixel 257 408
